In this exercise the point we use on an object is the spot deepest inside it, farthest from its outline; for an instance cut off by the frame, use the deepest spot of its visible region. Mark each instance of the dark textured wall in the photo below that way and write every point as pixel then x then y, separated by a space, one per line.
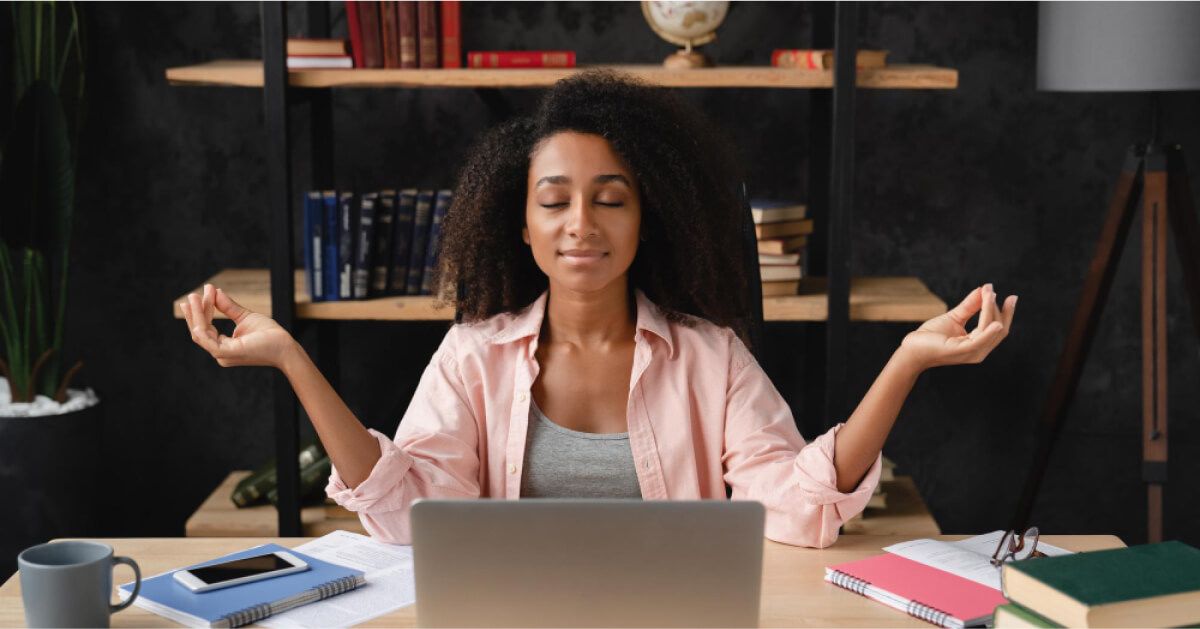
pixel 993 181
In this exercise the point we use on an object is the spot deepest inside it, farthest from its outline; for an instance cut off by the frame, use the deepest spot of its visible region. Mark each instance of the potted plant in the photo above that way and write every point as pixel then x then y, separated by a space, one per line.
pixel 50 435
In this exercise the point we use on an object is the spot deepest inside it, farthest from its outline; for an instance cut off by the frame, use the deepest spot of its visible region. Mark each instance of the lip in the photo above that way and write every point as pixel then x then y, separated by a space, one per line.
pixel 582 257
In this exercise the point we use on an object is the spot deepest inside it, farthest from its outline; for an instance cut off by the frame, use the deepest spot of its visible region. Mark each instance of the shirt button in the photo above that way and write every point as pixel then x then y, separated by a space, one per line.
pixel 522 396
pixel 512 468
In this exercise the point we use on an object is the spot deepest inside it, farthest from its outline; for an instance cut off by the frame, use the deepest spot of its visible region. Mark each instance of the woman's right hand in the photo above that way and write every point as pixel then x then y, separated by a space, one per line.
pixel 257 341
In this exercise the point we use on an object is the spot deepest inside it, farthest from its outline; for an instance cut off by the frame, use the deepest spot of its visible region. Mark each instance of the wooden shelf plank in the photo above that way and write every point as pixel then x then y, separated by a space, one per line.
pixel 219 517
pixel 248 73
pixel 871 299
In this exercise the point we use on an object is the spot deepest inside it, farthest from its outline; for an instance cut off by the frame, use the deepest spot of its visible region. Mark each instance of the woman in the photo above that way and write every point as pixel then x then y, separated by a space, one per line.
pixel 603 352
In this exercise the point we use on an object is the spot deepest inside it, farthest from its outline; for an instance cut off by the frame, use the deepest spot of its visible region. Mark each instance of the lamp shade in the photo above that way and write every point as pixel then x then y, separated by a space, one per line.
pixel 1118 46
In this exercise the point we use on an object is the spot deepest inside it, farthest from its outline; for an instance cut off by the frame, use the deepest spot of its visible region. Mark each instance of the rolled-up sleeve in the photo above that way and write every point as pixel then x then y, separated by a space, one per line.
pixel 767 460
pixel 433 455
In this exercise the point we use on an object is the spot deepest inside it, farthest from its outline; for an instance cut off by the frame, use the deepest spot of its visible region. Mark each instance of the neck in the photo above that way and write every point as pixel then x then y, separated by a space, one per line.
pixel 595 319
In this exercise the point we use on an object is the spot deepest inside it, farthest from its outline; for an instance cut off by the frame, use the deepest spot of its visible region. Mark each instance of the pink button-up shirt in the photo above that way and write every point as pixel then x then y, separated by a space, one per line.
pixel 701 413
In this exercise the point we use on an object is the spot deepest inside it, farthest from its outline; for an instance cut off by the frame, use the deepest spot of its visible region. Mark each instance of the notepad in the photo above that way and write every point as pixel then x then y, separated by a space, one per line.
pixel 243 604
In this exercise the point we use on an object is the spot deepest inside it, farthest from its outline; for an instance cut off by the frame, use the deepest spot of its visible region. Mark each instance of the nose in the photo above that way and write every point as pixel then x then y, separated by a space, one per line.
pixel 581 220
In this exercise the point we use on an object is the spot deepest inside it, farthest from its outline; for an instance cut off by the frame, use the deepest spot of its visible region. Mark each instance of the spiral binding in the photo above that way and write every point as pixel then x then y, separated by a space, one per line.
pixel 927 613
pixel 841 579
pixel 258 612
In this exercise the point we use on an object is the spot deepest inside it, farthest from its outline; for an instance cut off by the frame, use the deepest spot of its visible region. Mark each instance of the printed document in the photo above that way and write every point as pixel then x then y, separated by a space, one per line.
pixel 969 558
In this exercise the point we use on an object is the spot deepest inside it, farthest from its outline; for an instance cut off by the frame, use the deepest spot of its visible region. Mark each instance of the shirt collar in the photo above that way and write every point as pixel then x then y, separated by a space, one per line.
pixel 528 321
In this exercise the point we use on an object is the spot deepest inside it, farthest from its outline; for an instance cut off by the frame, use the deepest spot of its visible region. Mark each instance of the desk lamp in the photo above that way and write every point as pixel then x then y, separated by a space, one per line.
pixel 1149 47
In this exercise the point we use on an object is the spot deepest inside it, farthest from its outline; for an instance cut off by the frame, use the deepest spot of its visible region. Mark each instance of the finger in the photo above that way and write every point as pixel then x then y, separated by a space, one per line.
pixel 1010 310
pixel 187 315
pixel 967 308
pixel 208 303
pixel 231 308
pixel 199 327
pixel 986 310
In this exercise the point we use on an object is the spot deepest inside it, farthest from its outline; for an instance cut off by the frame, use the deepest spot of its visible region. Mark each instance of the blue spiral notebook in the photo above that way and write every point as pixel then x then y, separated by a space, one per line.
pixel 243 604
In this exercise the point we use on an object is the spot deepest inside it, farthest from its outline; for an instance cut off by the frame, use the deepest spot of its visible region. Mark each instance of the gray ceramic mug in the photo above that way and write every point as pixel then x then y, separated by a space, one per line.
pixel 69 584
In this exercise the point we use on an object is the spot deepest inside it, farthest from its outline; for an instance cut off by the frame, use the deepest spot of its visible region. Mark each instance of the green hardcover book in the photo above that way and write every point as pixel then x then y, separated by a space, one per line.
pixel 1013 615
pixel 312 483
pixel 253 489
pixel 1154 585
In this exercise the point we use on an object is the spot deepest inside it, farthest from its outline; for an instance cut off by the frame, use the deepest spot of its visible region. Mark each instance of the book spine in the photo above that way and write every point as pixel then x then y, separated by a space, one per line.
pixel 521 59
pixel 407 24
pixel 330 263
pixel 440 206
pixel 390 33
pixel 451 34
pixel 368 19
pixel 381 262
pixel 346 244
pixel 416 259
pixel 402 227
pixel 364 235
pixel 427 34
pixel 312 245
pixel 321 592
pixel 355 27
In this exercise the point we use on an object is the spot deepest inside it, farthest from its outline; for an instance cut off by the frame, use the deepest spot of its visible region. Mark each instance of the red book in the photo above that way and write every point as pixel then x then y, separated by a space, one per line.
pixel 922 591
pixel 451 25
pixel 356 43
pixel 521 59
pixel 391 34
pixel 408 33
pixel 368 21
pixel 427 34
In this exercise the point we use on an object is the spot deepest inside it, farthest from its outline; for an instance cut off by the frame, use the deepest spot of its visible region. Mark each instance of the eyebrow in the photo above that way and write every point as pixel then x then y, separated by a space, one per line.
pixel 560 179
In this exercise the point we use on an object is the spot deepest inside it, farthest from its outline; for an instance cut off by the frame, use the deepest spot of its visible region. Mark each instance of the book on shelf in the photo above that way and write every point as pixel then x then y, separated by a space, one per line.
pixel 780 289
pixel 354 28
pixel 313 479
pixel 371 36
pixel 775 211
pixel 781 246
pixel 332 242
pixel 380 260
pixel 784 228
pixel 780 273
pixel 776 259
pixel 1152 585
pixel 407 24
pixel 521 59
pixel 950 584
pixel 878 499
pixel 887 471
pixel 441 204
pixel 364 233
pixel 422 217
pixel 314 222
pixel 319 62
pixel 406 207
pixel 390 33
pixel 253 489
pixel 823 59
pixel 428 27
pixel 348 219
pixel 451 34
pixel 247 603
pixel 315 47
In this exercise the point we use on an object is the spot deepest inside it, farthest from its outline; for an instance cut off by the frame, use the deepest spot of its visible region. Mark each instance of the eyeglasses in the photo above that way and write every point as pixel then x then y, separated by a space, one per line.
pixel 1015 546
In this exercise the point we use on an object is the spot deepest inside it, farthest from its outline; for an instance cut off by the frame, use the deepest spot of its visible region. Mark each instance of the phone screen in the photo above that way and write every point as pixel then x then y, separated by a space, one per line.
pixel 249 566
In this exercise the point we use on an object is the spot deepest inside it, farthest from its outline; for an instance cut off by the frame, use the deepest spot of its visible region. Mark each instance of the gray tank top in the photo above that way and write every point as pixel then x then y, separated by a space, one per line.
pixel 564 463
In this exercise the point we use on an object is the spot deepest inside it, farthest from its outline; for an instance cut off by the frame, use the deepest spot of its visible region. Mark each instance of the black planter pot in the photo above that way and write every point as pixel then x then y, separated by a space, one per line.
pixel 50 480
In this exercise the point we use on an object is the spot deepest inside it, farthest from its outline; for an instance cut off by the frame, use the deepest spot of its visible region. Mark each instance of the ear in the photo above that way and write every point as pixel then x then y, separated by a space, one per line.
pixel 525 234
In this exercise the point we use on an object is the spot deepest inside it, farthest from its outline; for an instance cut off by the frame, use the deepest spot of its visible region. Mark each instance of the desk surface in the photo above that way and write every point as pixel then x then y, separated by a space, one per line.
pixel 794 592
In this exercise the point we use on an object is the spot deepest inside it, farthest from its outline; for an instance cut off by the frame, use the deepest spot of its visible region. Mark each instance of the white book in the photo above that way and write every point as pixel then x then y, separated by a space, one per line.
pixel 780 273
pixel 778 259
pixel 306 62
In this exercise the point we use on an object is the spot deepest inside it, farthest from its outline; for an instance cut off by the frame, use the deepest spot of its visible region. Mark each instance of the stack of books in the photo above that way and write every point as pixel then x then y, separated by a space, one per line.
pixel 262 485
pixel 782 230
pixel 317 53
pixel 886 475
pixel 376 244
pixel 1154 585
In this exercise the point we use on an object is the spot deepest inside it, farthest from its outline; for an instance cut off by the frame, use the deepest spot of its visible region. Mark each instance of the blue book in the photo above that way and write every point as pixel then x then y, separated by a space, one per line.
pixel 422 217
pixel 346 221
pixel 330 261
pixel 365 233
pixel 314 225
pixel 440 205
pixel 402 223
pixel 243 604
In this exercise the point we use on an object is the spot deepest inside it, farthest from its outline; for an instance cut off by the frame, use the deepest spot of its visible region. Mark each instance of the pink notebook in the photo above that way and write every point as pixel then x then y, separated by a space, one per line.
pixel 933 595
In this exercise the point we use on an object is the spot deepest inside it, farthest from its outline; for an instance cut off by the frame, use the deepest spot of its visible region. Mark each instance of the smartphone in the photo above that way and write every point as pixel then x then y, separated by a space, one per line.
pixel 238 571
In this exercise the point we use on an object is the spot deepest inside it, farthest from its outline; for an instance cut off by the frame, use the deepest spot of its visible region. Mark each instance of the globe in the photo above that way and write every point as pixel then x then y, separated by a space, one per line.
pixel 686 24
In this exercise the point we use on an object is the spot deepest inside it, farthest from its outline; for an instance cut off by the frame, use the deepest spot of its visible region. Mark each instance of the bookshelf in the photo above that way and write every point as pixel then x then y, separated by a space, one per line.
pixel 832 297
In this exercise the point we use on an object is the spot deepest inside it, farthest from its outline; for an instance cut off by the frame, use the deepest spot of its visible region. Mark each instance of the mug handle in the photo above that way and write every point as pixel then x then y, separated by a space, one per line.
pixel 137 584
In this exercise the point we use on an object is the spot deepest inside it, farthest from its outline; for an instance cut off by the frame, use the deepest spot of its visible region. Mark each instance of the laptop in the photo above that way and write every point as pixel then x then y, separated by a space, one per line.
pixel 587 563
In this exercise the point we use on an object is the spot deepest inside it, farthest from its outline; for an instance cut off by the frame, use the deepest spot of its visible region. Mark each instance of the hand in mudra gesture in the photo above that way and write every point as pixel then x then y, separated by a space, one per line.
pixel 257 341
pixel 944 340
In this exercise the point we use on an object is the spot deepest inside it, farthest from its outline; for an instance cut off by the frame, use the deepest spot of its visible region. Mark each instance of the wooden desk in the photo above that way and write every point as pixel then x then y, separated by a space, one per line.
pixel 794 592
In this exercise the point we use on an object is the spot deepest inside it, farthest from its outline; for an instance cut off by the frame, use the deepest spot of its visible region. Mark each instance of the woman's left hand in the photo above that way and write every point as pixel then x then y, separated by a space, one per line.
pixel 944 340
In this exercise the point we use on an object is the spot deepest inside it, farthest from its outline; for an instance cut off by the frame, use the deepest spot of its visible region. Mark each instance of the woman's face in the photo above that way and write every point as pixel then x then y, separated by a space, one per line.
pixel 582 212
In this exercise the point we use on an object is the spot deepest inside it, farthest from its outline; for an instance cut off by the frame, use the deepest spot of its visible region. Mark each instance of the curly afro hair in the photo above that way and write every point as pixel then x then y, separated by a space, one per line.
pixel 687 176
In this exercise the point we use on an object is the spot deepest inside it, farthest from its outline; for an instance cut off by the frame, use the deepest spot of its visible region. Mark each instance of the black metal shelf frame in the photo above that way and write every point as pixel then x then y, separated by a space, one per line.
pixel 831 162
